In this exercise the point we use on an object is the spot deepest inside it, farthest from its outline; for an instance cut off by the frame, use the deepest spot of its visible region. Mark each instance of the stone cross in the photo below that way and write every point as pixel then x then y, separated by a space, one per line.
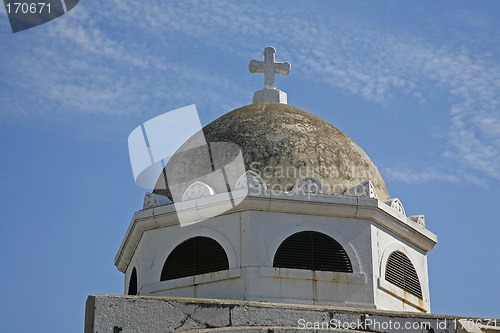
pixel 269 67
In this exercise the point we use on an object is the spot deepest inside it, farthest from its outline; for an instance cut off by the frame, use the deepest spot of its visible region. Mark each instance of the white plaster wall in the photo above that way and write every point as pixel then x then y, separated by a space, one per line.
pixel 155 245
pixel 383 245
pixel 262 234
pixel 250 239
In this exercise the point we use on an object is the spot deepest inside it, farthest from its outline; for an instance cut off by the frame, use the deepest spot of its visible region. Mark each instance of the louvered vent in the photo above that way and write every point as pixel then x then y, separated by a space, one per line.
pixel 400 272
pixel 198 255
pixel 132 285
pixel 314 251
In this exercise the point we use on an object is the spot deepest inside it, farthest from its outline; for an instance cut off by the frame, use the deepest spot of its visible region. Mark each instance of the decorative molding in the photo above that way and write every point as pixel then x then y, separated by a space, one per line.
pixel 420 219
pixel 286 202
pixel 362 190
pixel 152 200
pixel 308 185
pixel 197 190
pixel 396 204
pixel 250 179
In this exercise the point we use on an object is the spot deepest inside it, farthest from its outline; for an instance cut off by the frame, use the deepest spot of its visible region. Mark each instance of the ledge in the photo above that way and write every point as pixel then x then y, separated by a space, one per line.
pixel 271 201
pixel 304 274
pixel 173 314
pixel 188 281
pixel 417 303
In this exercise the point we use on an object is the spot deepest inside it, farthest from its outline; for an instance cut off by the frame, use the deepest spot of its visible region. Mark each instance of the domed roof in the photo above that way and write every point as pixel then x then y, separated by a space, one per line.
pixel 283 143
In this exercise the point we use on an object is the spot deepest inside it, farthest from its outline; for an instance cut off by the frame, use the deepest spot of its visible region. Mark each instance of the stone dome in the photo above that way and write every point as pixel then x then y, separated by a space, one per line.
pixel 283 143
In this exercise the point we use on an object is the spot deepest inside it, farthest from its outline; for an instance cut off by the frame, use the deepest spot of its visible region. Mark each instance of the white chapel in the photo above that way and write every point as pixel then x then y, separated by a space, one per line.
pixel 270 203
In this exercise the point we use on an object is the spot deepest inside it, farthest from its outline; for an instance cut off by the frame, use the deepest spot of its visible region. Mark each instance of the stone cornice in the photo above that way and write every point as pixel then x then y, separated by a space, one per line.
pixel 273 201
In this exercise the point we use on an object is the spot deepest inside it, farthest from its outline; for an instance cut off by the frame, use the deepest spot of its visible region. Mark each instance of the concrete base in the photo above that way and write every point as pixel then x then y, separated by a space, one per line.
pixel 132 314
pixel 270 96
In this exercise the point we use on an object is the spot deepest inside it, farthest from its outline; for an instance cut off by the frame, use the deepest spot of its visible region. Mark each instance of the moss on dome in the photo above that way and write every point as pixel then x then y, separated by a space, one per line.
pixel 283 143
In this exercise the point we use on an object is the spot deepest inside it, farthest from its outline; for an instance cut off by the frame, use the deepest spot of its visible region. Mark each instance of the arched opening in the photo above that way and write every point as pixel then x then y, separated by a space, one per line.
pixel 314 251
pixel 400 271
pixel 132 285
pixel 198 255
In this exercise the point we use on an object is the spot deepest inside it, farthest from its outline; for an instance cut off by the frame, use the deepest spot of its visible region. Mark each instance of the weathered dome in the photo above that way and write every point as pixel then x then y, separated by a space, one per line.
pixel 283 143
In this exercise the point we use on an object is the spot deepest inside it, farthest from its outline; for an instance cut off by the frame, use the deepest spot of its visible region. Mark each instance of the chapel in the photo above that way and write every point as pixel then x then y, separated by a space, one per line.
pixel 270 203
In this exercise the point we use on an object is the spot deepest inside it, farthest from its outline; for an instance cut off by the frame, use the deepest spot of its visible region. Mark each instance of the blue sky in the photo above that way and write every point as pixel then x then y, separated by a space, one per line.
pixel 415 83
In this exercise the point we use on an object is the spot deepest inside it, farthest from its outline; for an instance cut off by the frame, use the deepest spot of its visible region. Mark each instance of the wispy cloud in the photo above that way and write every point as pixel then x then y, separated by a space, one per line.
pixel 436 174
pixel 81 67
pixel 427 175
pixel 119 72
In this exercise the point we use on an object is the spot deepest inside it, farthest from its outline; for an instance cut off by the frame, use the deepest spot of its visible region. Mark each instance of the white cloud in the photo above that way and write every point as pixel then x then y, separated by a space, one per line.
pixel 436 174
pixel 118 74
pixel 81 67
pixel 413 176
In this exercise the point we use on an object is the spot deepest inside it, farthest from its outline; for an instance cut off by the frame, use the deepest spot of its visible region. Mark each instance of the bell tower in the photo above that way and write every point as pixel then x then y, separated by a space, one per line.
pixel 276 205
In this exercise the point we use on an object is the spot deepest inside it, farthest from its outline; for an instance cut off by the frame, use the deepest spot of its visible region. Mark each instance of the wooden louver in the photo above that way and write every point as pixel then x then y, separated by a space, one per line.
pixel 400 272
pixel 314 251
pixel 198 255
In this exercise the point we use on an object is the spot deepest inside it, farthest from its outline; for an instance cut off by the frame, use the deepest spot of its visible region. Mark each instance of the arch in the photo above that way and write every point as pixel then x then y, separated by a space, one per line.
pixel 312 250
pixel 396 204
pixel 132 285
pixel 197 255
pixel 400 271
pixel 319 227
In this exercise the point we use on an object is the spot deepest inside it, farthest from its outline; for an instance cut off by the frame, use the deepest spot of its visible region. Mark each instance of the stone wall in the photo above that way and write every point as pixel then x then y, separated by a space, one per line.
pixel 135 314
